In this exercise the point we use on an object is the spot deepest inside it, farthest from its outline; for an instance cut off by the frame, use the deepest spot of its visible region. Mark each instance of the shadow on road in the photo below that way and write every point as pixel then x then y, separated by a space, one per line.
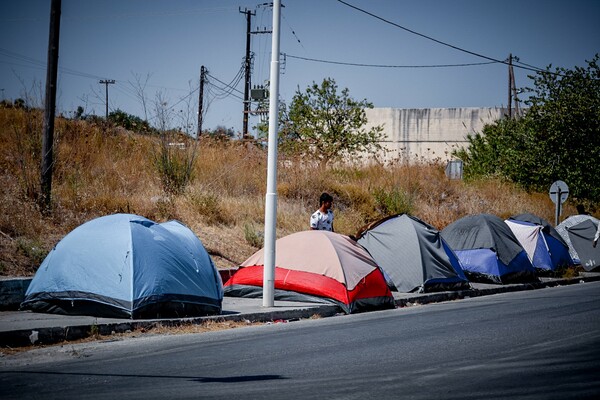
pixel 203 379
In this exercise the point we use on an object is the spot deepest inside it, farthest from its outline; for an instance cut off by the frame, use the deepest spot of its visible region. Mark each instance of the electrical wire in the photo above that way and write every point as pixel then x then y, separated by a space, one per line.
pixel 293 33
pixel 388 66
pixel 433 39
pixel 229 87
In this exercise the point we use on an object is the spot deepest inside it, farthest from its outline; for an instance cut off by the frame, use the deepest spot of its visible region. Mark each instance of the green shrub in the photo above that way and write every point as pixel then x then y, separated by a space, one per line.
pixel 253 237
pixel 393 202
pixel 209 206
pixel 174 166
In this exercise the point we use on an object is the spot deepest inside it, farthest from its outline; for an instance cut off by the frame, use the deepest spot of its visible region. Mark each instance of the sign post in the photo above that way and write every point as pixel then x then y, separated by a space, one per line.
pixel 559 192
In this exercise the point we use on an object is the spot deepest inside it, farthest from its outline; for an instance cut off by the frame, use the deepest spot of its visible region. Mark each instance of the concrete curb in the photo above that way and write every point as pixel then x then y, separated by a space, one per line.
pixel 57 334
pixel 429 298
pixel 12 292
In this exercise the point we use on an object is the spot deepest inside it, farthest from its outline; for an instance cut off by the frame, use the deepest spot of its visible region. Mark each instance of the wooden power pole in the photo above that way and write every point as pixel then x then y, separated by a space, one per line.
pixel 50 107
pixel 107 82
pixel 201 100
pixel 512 88
pixel 247 66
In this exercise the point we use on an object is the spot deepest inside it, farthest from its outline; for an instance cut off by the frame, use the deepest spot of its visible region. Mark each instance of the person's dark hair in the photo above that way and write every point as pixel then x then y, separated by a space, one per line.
pixel 581 209
pixel 325 197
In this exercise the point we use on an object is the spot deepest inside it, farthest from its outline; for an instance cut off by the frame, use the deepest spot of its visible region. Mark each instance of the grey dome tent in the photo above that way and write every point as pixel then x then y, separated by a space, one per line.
pixel 126 266
pixel 579 231
pixel 488 250
pixel 412 255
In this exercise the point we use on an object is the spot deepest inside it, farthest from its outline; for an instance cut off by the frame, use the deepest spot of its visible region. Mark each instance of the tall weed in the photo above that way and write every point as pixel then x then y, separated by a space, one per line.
pixel 174 162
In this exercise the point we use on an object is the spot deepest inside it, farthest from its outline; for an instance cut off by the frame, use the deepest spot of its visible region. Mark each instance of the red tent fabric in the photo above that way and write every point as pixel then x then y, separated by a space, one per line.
pixel 317 266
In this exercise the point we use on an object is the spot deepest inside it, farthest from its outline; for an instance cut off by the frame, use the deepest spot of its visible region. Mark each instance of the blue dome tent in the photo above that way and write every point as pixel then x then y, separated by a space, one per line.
pixel 127 266
pixel 488 250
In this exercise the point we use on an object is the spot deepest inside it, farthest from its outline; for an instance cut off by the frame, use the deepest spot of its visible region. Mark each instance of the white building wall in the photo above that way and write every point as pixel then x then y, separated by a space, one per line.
pixel 429 133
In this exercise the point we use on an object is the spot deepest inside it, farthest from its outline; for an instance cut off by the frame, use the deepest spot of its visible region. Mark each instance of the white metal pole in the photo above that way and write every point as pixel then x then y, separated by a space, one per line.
pixel 271 197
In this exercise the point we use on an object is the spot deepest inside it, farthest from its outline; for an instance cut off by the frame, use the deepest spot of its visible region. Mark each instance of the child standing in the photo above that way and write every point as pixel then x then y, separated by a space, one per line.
pixel 322 219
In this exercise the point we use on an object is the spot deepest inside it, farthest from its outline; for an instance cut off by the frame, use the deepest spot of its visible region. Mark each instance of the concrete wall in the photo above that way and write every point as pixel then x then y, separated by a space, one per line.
pixel 429 133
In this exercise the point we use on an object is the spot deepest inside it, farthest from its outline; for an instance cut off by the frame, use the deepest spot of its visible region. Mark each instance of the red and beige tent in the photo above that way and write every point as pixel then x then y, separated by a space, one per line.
pixel 317 266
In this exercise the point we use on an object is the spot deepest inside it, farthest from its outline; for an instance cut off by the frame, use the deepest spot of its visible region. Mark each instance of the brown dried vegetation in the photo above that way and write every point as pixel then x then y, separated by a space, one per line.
pixel 103 170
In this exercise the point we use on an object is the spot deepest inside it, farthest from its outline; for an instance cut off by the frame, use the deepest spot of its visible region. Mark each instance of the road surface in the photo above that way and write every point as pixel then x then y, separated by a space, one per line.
pixel 538 344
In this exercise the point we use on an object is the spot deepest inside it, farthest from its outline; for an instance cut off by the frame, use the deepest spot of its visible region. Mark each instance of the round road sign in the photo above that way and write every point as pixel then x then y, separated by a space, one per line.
pixel 559 191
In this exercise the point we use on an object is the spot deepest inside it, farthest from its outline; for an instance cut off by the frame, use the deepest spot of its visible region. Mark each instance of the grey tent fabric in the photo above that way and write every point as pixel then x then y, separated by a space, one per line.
pixel 483 231
pixel 412 255
pixel 569 222
pixel 546 226
pixel 582 235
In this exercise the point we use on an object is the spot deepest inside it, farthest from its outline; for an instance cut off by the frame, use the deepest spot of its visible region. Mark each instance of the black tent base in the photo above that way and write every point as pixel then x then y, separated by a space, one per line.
pixel 153 307
pixel 515 277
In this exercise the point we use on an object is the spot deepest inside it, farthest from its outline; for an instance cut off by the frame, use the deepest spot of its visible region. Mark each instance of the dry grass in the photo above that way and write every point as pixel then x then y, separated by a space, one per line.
pixel 100 171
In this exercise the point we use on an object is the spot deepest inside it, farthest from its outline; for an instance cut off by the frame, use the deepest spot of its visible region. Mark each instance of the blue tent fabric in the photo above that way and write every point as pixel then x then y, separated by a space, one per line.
pixel 127 266
pixel 488 250
pixel 533 241
pixel 557 247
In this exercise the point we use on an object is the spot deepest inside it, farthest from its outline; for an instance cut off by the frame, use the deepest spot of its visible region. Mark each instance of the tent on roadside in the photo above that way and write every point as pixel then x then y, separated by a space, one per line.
pixel 488 250
pixel 126 266
pixel 412 255
pixel 317 266
pixel 531 239
pixel 579 231
pixel 550 239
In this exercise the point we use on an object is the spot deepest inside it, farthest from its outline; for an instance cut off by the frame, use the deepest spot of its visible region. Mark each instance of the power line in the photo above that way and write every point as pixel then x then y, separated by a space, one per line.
pixel 181 100
pixel 293 33
pixel 389 66
pixel 433 39
pixel 224 94
pixel 226 85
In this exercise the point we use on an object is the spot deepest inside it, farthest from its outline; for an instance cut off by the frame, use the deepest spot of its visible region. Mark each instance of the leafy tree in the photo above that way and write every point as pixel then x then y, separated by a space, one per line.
pixel 557 138
pixel 327 126
pixel 79 113
pixel 20 103
pixel 220 132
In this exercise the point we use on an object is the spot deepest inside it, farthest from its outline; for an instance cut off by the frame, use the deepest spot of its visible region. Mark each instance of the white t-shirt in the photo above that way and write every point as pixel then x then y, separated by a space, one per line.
pixel 322 221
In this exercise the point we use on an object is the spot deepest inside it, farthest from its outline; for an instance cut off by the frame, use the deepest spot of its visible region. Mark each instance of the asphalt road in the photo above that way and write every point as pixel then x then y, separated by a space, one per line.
pixel 539 344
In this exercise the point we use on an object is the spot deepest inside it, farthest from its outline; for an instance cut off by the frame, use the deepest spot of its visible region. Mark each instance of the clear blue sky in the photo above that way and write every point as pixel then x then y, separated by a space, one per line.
pixel 168 41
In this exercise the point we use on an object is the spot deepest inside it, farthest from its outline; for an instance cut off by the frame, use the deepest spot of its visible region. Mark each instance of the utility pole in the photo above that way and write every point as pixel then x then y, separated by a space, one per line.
pixel 512 88
pixel 201 100
pixel 510 81
pixel 107 82
pixel 50 106
pixel 247 64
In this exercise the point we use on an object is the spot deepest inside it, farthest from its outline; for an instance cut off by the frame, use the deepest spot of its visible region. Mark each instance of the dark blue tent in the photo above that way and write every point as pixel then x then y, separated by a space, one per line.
pixel 127 266
pixel 488 250
pixel 412 255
